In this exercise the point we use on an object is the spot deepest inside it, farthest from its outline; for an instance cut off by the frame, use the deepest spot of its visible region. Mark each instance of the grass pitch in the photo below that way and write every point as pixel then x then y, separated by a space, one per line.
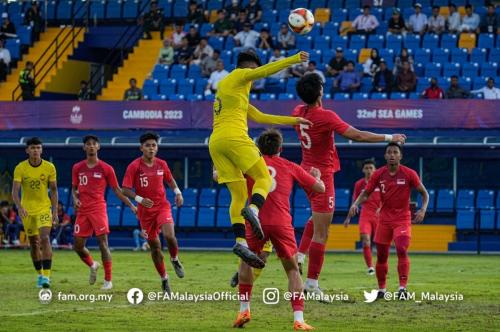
pixel 474 277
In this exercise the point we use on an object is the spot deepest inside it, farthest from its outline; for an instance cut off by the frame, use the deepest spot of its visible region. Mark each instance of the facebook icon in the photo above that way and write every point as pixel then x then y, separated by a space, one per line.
pixel 135 296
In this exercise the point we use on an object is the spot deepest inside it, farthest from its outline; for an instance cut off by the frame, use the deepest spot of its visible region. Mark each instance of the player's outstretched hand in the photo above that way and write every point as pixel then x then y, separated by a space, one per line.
pixel 347 221
pixel 315 172
pixel 22 212
pixel 179 200
pixel 55 219
pixel 134 209
pixel 399 138
pixel 147 203
pixel 215 176
pixel 354 209
pixel 304 121
pixel 419 216
pixel 77 203
pixel 304 56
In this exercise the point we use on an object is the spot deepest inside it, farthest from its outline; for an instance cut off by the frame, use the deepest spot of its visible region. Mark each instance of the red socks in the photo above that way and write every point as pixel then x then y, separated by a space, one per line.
pixel 245 291
pixel 107 269
pixel 316 258
pixel 382 267
pixel 402 243
pixel 306 239
pixel 87 260
pixel 297 302
pixel 160 267
pixel 173 250
pixel 367 254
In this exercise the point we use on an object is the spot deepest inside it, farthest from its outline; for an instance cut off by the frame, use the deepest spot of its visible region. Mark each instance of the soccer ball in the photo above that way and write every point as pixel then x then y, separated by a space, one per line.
pixel 301 21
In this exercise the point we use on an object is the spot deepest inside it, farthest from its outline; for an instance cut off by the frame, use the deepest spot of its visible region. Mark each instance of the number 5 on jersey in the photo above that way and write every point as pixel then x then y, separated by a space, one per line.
pixel 305 139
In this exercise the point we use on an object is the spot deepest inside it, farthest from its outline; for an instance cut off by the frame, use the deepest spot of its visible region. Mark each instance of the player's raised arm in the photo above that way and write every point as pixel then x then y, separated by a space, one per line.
pixel 367 136
pixel 255 115
pixel 420 214
pixel 274 67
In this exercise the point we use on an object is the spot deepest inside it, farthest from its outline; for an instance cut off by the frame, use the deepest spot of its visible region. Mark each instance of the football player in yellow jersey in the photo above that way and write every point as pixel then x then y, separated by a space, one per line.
pixel 233 152
pixel 34 177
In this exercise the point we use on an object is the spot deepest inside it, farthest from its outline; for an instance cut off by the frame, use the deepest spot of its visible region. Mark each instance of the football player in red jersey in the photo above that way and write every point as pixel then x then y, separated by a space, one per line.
pixel 319 151
pixel 395 182
pixel 148 175
pixel 90 177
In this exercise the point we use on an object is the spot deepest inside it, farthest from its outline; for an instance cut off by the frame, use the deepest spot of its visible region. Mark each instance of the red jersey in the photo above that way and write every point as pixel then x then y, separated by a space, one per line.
pixel 318 146
pixel 276 209
pixel 148 181
pixel 91 183
pixel 433 93
pixel 372 204
pixel 394 192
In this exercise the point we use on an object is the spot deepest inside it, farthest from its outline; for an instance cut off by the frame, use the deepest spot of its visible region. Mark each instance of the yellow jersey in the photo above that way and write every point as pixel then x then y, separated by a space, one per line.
pixel 34 185
pixel 231 106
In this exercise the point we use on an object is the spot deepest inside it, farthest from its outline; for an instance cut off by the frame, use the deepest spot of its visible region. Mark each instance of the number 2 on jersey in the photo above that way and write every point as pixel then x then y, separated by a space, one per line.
pixel 305 139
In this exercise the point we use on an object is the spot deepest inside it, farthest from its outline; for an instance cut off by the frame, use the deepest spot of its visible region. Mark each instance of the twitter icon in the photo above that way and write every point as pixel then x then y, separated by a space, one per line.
pixel 371 296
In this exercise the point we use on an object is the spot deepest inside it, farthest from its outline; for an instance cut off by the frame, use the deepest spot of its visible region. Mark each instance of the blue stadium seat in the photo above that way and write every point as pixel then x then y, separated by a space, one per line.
pixel 185 86
pixel 176 97
pixel 433 69
pixel 445 200
pixel 430 41
pixel 318 4
pixel 398 95
pixel 114 10
pixel 267 96
pixel 194 97
pixel 215 4
pixel 187 216
pixel 97 9
pixel 470 70
pixel 449 41
pixel 206 28
pixel 207 197
pixel 114 215
pixel 465 219
pixel 270 16
pixel 178 71
pixel 190 196
pixel 286 96
pixel 487 219
pixel 180 8
pixel 360 96
pixel 160 71
pixel 129 218
pixel 223 219
pixel 432 200
pixel 63 194
pixel 387 55
pixel 459 55
pixel 216 42
pixel 150 87
pixel 489 69
pixel 340 41
pixel 485 199
pixel 486 40
pixel 64 10
pixel 451 69
pixel 412 42
pixel 206 217
pixel 304 42
pixel 130 8
pixel 394 42
pixel 351 55
pixel 158 97
pixel 14 47
pixel 194 71
pixel 284 5
pixel 342 96
pixel 322 42
pixel 494 54
pixel 301 216
pixel 339 15
pixel 168 86
pixel 441 55
pixel 376 41
pixel 342 199
pixel 357 42
pixel 465 199
pixel 413 96
pixel 224 197
pixel 200 85
pixel 379 95
pixel 478 55
pixel 479 82
pixel 352 4
pixel 422 55
pixel 112 199
pixel 353 13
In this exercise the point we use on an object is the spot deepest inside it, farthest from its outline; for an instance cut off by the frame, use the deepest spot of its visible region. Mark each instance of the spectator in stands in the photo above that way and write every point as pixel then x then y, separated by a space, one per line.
pixel 195 13
pixel 433 91
pixel 455 91
pixel 453 20
pixel 60 234
pixel 215 77
pixel 193 37
pixel 436 21
pixel 166 53
pixel 311 69
pixel 33 18
pixel 371 65
pixel 209 63
pixel 265 41
pixel 11 224
pixel 27 82
pixel 254 11
pixel 396 23
pixel 417 23
pixel 383 79
pixel 404 56
pixel 470 21
pixel 365 23
pixel 202 50
pixel 140 240
pixel 275 57
pixel 490 22
pixel 298 70
pixel 222 26
pixel 132 93
pixel 337 63
pixel 285 39
pixel 4 61
pixel 153 21
pixel 246 39
pixel 406 80
pixel 86 93
pixel 489 91
pixel 177 35
pixel 258 86
pixel 184 54
pixel 348 80
pixel 241 21
pixel 233 11
pixel 8 29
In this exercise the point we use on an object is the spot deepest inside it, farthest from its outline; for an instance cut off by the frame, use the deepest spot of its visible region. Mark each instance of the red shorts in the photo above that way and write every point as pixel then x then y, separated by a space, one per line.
pixel 282 238
pixel 368 223
pixel 87 224
pixel 323 202
pixel 151 222
pixel 386 232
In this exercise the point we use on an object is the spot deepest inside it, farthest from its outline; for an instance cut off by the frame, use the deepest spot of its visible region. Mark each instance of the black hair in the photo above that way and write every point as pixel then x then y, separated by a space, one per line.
pixel 132 79
pixel 369 162
pixel 4 204
pixel 394 144
pixel 312 62
pixel 221 11
pixel 435 7
pixel 248 56
pixel 34 141
pixel 366 7
pixel 270 141
pixel 350 62
pixel 149 135
pixel 217 51
pixel 308 88
pixel 83 82
pixel 454 76
pixel 468 6
pixel 453 5
pixel 89 137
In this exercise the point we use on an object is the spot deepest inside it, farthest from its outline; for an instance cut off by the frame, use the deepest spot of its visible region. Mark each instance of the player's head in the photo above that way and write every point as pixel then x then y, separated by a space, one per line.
pixel 4 207
pixel 34 147
pixel 393 153
pixel 270 142
pixel 310 88
pixel 149 144
pixel 91 145
pixel 368 167
pixel 133 82
pixel 248 59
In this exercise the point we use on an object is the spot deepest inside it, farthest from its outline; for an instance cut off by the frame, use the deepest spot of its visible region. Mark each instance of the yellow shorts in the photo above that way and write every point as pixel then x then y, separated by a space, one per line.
pixel 268 247
pixel 233 156
pixel 34 222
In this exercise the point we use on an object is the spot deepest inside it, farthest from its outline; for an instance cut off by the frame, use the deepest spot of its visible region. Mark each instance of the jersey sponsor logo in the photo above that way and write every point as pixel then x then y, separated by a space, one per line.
pixel 97 175
pixel 81 173
pixel 159 172
pixel 142 174
pixel 26 178
pixel 382 181
pixel 42 177
pixel 400 181
pixel 377 189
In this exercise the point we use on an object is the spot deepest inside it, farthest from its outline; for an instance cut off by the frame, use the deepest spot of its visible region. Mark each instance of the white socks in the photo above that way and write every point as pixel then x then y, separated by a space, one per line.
pixel 312 283
pixel 244 306
pixel 301 257
pixel 298 316
pixel 94 265
pixel 383 290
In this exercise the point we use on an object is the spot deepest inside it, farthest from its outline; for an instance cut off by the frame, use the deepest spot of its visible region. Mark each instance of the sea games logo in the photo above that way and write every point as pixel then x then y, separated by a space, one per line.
pixel 153 114
pixel 76 116
pixel 412 114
